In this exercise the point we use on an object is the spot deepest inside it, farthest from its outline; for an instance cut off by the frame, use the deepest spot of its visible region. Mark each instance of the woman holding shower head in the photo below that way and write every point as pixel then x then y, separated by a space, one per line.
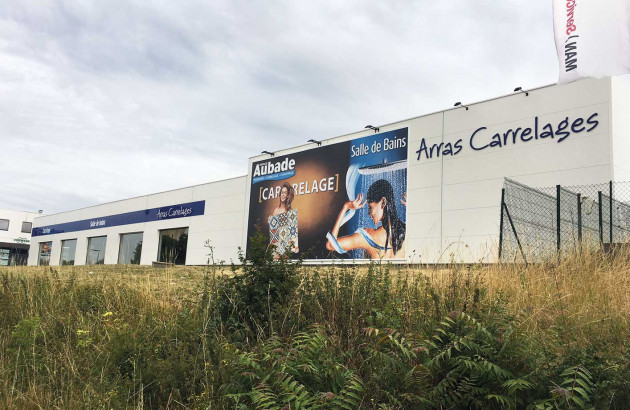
pixel 385 241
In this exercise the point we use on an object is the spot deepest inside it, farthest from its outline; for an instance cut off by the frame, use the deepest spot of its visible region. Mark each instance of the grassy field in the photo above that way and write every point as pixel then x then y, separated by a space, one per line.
pixel 275 334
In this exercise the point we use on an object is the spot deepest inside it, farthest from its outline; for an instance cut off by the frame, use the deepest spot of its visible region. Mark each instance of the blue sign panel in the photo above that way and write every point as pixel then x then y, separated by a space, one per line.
pixel 128 218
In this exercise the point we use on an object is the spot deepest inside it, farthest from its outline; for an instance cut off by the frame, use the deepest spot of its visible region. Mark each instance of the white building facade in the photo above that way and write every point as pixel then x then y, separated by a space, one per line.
pixel 15 236
pixel 456 161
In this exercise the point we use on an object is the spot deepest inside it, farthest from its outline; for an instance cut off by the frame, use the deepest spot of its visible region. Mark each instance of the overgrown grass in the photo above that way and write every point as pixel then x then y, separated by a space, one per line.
pixel 275 334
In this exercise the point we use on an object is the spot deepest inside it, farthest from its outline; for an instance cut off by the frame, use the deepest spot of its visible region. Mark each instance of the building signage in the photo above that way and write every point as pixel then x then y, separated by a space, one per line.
pixel 21 240
pixel 481 139
pixel 128 218
pixel 344 200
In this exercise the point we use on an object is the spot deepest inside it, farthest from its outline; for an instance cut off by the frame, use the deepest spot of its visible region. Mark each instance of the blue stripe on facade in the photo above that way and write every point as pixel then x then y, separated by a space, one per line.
pixel 128 218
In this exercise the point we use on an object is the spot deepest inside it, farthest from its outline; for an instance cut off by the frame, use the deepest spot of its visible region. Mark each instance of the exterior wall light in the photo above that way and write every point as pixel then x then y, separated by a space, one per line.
pixel 520 89
pixel 459 104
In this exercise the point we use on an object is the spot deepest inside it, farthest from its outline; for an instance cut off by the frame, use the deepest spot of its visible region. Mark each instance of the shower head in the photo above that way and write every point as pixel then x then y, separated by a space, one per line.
pixel 384 167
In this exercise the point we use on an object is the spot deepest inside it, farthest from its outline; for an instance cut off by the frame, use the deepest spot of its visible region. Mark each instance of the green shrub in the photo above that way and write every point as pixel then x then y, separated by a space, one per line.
pixel 259 293
pixel 305 372
pixel 457 367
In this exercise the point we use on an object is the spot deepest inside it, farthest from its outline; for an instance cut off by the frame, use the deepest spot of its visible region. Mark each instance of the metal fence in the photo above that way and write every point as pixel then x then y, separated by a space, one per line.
pixel 538 224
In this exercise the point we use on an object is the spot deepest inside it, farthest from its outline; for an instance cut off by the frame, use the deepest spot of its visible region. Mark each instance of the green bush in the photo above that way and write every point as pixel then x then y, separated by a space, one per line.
pixel 259 293
pixel 304 372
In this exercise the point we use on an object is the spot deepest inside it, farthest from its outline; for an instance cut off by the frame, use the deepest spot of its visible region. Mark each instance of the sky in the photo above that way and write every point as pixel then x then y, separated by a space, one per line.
pixel 106 100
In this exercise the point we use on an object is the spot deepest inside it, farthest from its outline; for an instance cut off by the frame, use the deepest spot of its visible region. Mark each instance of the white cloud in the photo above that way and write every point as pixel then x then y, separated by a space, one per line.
pixel 104 100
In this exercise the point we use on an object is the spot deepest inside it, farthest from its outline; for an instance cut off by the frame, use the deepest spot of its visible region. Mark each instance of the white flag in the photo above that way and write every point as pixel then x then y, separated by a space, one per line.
pixel 592 38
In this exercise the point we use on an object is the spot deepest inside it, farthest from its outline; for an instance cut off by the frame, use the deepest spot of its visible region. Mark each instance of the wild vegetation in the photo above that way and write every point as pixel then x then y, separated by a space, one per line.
pixel 275 334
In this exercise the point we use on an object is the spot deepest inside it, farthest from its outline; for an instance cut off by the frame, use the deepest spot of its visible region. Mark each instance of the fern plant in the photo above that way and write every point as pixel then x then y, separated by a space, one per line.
pixel 305 372
pixel 575 391
pixel 455 368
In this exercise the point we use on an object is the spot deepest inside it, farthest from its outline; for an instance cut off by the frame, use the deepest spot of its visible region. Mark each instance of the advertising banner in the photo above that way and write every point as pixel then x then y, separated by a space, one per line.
pixel 344 200
pixel 45 249
pixel 592 38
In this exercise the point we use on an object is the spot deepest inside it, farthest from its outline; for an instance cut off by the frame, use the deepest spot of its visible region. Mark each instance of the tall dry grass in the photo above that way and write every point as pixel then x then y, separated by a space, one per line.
pixel 125 336
pixel 589 293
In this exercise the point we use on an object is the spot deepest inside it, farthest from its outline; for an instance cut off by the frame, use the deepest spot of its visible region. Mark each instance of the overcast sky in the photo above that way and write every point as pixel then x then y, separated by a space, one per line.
pixel 104 100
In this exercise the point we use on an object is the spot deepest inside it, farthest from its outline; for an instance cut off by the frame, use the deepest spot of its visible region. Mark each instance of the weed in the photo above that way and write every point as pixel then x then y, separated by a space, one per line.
pixel 273 333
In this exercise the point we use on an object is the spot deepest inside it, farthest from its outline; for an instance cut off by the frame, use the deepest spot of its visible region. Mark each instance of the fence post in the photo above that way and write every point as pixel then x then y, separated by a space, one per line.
pixel 579 219
pixel 601 225
pixel 558 216
pixel 518 241
pixel 610 190
pixel 501 223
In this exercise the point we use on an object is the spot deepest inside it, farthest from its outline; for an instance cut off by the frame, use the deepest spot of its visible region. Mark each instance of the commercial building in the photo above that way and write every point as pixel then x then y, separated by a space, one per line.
pixel 15 236
pixel 176 226
pixel 436 178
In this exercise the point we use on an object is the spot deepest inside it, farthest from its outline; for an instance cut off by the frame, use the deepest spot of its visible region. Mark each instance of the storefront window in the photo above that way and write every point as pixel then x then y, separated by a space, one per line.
pixel 130 248
pixel 96 250
pixel 18 257
pixel 44 253
pixel 68 250
pixel 4 257
pixel 173 243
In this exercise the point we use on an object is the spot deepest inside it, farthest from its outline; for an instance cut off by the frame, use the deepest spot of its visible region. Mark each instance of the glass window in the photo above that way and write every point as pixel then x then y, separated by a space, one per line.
pixel 130 248
pixel 4 257
pixel 4 224
pixel 68 249
pixel 96 250
pixel 173 243
pixel 18 257
pixel 27 227
pixel 44 253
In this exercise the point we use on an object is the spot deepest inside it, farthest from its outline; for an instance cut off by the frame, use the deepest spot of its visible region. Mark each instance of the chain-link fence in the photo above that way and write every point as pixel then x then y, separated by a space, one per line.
pixel 538 224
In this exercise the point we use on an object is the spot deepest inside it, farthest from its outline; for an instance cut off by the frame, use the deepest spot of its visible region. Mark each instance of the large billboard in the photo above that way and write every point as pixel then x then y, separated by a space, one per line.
pixel 344 200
